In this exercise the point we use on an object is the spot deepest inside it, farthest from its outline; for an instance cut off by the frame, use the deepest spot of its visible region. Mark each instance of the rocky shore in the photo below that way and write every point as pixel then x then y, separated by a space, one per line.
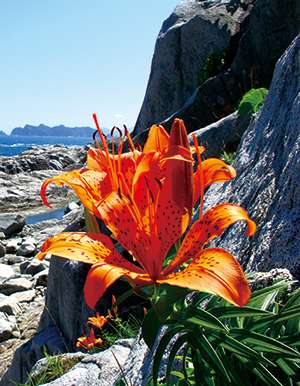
pixel 23 278
pixel 21 177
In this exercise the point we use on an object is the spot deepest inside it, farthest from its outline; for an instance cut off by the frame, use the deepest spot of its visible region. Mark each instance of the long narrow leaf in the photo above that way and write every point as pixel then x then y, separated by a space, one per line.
pixel 234 312
pixel 261 372
pixel 199 342
pixel 202 376
pixel 236 347
pixel 290 368
pixel 165 340
pixel 179 343
pixel 263 343
pixel 202 318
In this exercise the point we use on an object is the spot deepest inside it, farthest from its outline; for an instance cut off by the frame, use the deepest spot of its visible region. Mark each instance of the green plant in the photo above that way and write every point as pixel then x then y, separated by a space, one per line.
pixel 213 65
pixel 228 157
pixel 55 367
pixel 227 345
pixel 252 101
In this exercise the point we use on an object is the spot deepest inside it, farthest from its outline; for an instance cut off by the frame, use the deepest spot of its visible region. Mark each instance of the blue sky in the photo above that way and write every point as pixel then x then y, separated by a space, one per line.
pixel 63 60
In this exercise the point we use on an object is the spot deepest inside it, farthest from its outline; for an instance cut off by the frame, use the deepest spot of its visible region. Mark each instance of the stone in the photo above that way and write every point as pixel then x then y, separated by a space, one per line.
pixel 30 352
pixel 255 37
pixel 12 260
pixel 28 247
pixel 2 250
pixel 5 330
pixel 71 206
pixel 16 284
pixel 36 266
pixel 13 245
pixel 41 277
pixel 2 236
pixel 268 177
pixel 6 271
pixel 192 32
pixel 9 305
pixel 10 223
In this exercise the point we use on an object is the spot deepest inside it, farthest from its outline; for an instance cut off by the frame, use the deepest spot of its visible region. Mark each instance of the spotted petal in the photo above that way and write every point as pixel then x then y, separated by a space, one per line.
pixel 91 248
pixel 90 186
pixel 216 271
pixel 211 225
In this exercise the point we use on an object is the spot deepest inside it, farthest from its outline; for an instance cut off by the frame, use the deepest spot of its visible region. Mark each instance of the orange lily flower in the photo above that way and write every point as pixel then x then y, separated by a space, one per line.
pixel 88 342
pixel 149 219
pixel 98 320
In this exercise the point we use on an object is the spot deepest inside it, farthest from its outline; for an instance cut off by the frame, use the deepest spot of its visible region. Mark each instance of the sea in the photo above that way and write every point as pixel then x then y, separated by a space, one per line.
pixel 11 145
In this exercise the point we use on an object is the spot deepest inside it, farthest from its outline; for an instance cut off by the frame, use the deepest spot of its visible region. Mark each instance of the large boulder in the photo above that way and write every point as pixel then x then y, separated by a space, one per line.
pixel 268 177
pixel 10 223
pixel 255 35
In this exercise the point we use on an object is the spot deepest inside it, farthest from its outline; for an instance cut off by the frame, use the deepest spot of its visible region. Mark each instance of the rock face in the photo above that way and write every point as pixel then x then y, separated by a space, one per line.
pixel 268 177
pixel 255 36
pixel 21 177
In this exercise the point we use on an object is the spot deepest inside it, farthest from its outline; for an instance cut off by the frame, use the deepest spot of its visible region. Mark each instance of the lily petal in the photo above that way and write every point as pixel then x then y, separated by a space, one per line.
pixel 213 170
pixel 91 248
pixel 158 139
pixel 90 186
pixel 216 271
pixel 211 225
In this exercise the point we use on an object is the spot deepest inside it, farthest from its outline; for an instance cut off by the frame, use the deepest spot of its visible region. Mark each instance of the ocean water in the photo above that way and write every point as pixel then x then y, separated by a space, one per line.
pixel 13 145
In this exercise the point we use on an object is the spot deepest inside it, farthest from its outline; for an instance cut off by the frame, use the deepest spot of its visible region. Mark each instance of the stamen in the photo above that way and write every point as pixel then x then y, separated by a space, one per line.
pixel 201 174
pixel 129 138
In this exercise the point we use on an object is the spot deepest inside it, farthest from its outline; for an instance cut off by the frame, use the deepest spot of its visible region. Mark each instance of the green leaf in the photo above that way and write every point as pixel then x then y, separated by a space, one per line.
pixel 199 342
pixel 165 340
pixel 171 294
pixel 233 311
pixel 203 318
pixel 179 342
pixel 150 327
pixel 122 298
pixel 252 101
pixel 290 368
pixel 236 347
pixel 261 372
pixel 263 343
pixel 91 222
pixel 202 375
pixel 282 317
pixel 120 382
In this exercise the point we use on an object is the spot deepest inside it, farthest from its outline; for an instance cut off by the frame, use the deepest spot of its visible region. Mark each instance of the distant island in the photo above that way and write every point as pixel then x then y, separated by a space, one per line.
pixel 2 133
pixel 56 131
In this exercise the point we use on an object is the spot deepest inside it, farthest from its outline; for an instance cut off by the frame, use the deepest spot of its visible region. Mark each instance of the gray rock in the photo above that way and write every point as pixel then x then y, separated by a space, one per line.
pixel 71 206
pixel 13 245
pixel 12 260
pixel 5 330
pixel 257 42
pixel 10 223
pixel 28 247
pixel 36 266
pixel 41 277
pixel 30 352
pixel 9 305
pixel 193 32
pixel 268 177
pixel 2 236
pixel 2 250
pixel 16 284
pixel 23 296
pixel 6 271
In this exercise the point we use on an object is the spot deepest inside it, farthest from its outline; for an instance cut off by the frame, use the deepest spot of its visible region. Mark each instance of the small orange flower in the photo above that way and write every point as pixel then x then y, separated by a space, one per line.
pixel 88 342
pixel 98 320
